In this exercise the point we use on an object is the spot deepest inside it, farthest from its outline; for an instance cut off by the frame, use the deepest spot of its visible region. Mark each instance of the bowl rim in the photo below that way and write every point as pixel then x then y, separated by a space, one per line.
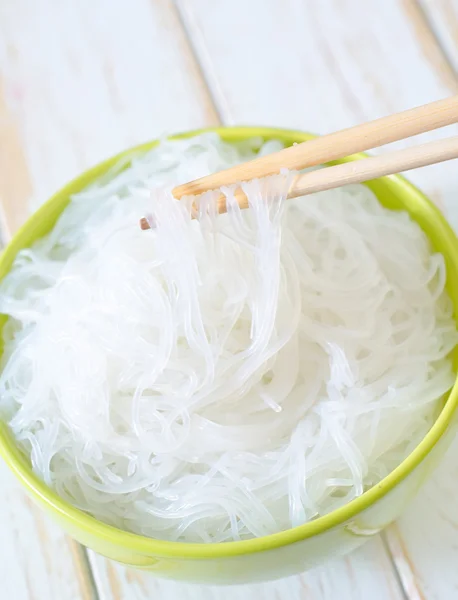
pixel 79 521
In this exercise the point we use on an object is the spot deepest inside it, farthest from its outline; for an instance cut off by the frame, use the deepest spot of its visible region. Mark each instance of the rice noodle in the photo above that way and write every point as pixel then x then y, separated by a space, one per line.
pixel 226 377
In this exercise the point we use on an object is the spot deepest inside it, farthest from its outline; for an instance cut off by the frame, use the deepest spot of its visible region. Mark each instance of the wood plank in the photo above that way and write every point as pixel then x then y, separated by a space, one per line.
pixel 15 183
pixel 83 80
pixel 79 81
pixel 357 577
pixel 321 66
pixel 442 16
pixel 427 534
pixel 37 560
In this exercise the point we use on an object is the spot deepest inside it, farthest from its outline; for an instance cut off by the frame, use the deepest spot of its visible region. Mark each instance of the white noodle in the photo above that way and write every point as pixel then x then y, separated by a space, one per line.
pixel 226 377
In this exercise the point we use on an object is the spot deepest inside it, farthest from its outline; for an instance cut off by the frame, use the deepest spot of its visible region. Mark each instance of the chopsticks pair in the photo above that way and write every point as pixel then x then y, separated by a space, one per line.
pixel 338 145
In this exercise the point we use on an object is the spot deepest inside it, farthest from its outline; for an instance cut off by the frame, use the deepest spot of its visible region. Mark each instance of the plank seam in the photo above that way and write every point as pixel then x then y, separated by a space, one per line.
pixel 191 31
pixel 85 573
pixel 421 7
pixel 394 566
pixel 421 20
pixel 405 571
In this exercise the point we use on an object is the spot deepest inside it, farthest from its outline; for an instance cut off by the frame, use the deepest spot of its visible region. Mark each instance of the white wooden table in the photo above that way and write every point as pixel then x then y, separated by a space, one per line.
pixel 83 79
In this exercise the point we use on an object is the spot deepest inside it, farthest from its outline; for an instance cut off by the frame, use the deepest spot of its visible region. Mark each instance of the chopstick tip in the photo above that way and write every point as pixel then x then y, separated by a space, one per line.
pixel 144 224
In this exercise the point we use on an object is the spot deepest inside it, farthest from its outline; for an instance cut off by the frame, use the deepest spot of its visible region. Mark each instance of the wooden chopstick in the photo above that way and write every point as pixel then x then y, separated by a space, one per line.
pixel 360 170
pixel 333 146
pixel 373 167
pixel 338 145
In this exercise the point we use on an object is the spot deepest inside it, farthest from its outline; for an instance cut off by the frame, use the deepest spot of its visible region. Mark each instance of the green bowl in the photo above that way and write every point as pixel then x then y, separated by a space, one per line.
pixel 293 550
